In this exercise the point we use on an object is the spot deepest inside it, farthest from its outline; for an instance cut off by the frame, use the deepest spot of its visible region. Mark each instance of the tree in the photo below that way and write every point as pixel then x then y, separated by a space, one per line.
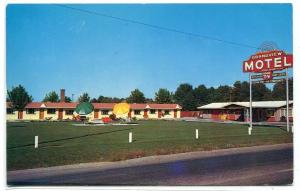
pixel 240 91
pixel 211 95
pixel 223 94
pixel 19 97
pixel 94 100
pixel 236 91
pixel 184 96
pixel 201 95
pixel 68 99
pixel 84 98
pixel 189 102
pixel 182 91
pixel 260 92
pixel 51 97
pixel 245 91
pixel 279 90
pixel 136 96
pixel 163 96
pixel 149 100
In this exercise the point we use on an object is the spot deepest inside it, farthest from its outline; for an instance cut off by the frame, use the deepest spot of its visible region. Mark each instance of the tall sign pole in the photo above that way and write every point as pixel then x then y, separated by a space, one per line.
pixel 250 119
pixel 287 101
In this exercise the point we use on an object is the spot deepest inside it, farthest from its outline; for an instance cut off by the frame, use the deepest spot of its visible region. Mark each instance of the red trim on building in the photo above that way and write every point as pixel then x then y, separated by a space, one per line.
pixel 271 119
pixel 104 105
pixel 33 105
pixel 190 113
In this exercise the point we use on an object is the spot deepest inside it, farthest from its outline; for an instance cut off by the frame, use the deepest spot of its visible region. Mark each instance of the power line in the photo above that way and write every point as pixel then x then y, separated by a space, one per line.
pixel 156 26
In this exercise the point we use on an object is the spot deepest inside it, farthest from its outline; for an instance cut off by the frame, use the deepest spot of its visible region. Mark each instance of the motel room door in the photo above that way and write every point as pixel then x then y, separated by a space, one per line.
pixel 60 114
pixel 20 114
pixel 41 113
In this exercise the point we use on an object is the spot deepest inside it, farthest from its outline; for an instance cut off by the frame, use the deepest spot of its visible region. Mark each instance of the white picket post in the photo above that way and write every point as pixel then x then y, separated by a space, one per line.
pixel 36 142
pixel 130 137
pixel 197 134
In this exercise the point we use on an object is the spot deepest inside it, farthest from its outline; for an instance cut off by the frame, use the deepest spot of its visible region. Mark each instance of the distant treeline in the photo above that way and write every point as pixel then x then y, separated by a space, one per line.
pixel 186 95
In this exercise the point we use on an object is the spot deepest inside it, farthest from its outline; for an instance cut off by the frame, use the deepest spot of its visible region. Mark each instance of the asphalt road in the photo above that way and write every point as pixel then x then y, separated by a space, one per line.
pixel 263 165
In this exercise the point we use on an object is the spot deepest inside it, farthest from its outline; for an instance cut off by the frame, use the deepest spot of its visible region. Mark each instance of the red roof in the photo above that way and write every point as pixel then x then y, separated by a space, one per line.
pixel 34 105
pixel 164 106
pixel 138 106
pixel 103 105
pixel 100 105
pixel 8 105
pixel 61 105
pixel 154 106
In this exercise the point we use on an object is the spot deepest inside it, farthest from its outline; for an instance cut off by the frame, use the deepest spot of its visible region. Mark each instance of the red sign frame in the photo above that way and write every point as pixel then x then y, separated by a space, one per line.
pixel 268 61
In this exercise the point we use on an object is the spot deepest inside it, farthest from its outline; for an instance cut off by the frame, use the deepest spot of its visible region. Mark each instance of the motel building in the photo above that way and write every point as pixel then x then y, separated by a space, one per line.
pixel 65 111
pixel 269 111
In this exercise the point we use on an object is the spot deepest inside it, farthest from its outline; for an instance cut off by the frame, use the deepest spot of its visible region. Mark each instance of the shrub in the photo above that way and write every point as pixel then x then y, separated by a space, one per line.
pixel 112 117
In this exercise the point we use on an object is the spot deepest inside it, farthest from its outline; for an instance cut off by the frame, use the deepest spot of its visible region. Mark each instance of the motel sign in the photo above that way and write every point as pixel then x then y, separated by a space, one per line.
pixel 266 65
pixel 268 61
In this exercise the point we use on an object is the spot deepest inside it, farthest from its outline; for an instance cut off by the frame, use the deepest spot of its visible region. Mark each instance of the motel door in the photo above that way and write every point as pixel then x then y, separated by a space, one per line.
pixel 129 114
pixel 41 113
pixel 60 114
pixel 159 113
pixel 20 114
pixel 96 114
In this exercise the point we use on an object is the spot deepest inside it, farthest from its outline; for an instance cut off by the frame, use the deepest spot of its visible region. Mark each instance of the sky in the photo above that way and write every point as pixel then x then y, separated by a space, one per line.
pixel 50 47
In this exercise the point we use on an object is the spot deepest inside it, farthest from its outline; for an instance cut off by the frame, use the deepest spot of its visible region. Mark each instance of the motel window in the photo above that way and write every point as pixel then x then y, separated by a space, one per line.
pixel 51 111
pixel 137 112
pixel 30 111
pixel 152 111
pixel 69 112
pixel 167 112
pixel 104 112
pixel 9 111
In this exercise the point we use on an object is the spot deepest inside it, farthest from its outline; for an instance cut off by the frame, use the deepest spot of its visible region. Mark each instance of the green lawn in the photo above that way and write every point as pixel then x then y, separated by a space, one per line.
pixel 62 143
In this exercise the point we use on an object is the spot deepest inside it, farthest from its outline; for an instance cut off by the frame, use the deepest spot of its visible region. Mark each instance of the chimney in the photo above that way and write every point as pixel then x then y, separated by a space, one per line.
pixel 62 95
